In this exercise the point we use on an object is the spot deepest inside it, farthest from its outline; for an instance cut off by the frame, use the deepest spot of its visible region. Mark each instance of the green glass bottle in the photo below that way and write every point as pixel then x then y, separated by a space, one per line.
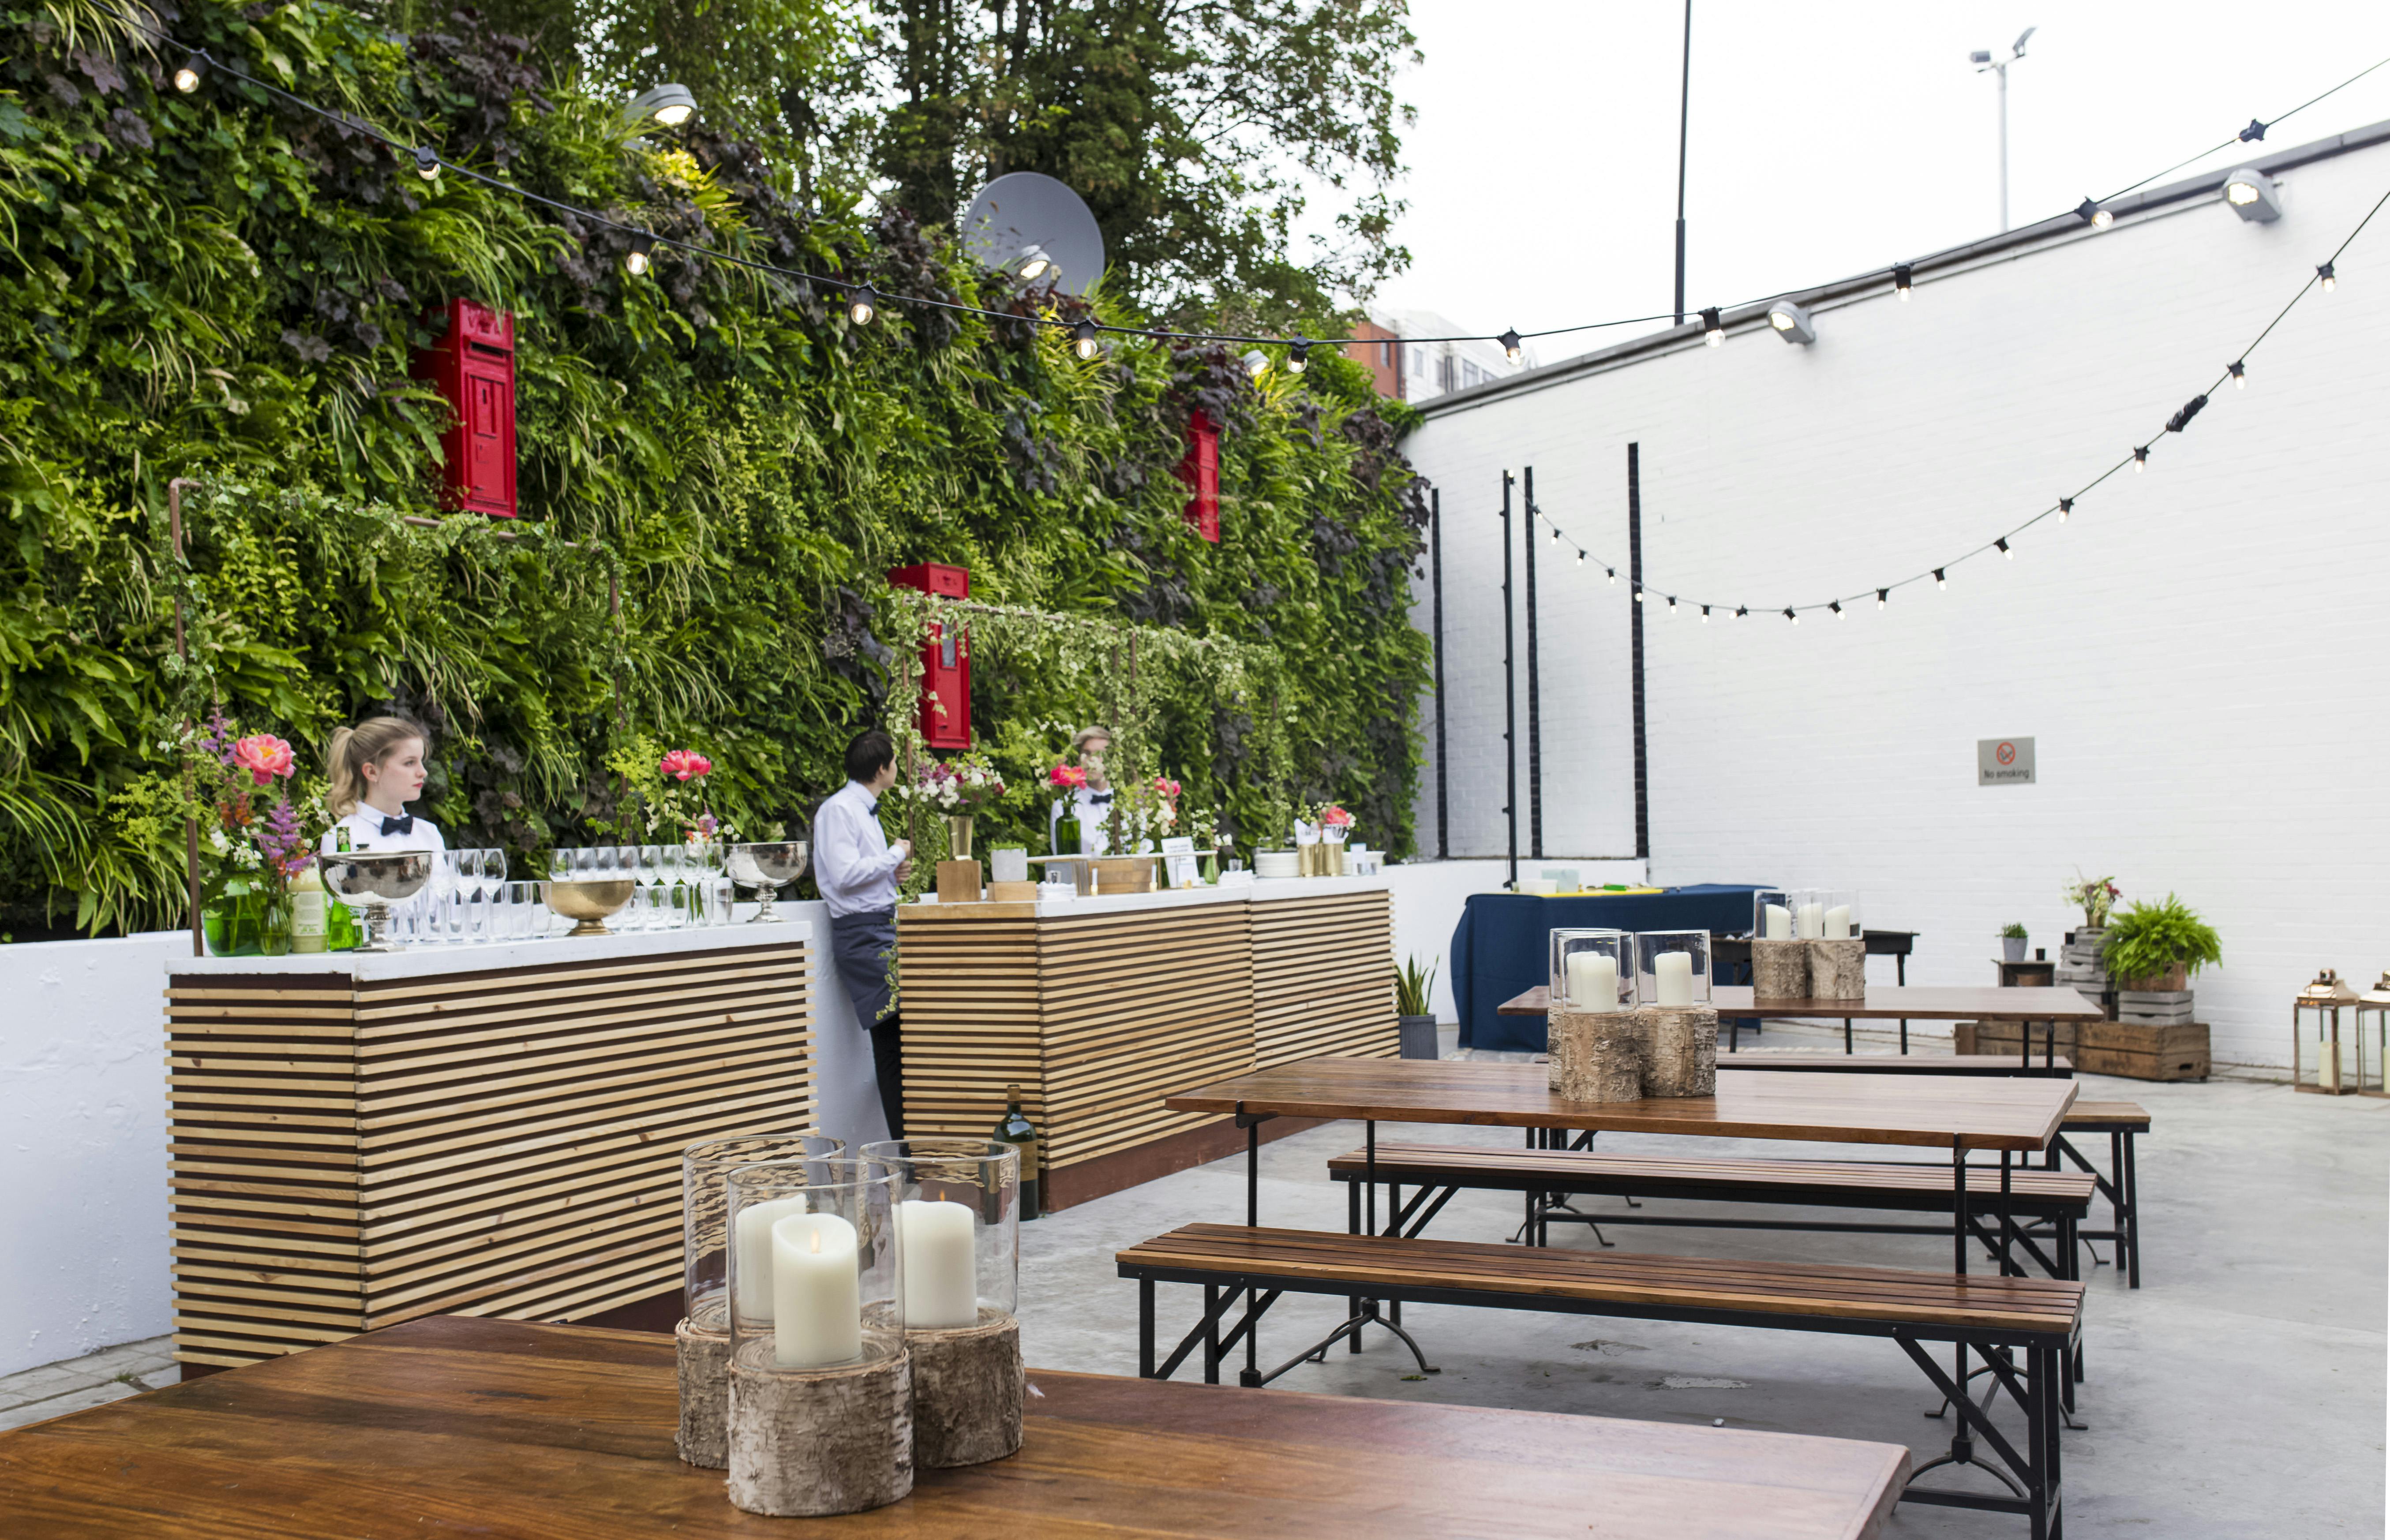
pixel 340 920
pixel 1015 1129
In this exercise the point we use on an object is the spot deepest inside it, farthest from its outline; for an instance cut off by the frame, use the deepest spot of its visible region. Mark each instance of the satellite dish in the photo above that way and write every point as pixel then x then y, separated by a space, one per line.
pixel 1028 225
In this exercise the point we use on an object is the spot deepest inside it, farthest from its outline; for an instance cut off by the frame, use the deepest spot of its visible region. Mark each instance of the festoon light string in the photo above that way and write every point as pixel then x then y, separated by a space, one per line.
pixel 2323 278
pixel 864 301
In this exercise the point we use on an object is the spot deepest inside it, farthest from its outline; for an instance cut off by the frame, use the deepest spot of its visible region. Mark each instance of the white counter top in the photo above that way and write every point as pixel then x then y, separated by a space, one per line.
pixel 421 961
pixel 1260 891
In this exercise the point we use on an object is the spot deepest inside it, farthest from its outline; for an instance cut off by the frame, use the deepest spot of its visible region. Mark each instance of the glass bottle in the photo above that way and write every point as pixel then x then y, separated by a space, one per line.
pixel 310 921
pixel 1014 1128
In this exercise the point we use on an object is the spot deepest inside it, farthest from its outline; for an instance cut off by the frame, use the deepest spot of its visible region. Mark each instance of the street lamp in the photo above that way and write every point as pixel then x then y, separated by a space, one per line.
pixel 1981 60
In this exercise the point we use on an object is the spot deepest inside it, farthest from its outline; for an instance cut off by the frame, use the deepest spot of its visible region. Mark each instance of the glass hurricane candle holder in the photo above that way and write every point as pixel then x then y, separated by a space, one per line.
pixel 1838 913
pixel 815 1275
pixel 1771 914
pixel 1672 969
pixel 1592 969
pixel 705 1211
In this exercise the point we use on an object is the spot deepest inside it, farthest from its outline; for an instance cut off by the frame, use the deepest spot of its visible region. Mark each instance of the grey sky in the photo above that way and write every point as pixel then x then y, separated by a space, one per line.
pixel 1826 138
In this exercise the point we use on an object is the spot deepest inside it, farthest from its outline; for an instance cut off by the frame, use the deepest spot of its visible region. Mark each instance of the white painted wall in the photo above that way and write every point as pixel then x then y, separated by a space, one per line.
pixel 83 1145
pixel 2200 652
pixel 1429 896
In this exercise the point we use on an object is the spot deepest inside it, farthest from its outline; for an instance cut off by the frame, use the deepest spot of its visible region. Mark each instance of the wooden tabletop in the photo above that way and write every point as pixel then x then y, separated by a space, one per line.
pixel 1891 1002
pixel 516 1432
pixel 1987 1112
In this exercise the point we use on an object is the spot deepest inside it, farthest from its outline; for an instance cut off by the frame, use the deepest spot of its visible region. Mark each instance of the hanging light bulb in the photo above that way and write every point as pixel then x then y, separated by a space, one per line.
pixel 1671 606
pixel 2002 544
pixel 1580 558
pixel 2092 214
pixel 1713 329
pixel 2239 373
pixel 2141 458
pixel 427 163
pixel 1510 341
pixel 2331 281
pixel 1082 340
pixel 1556 535
pixel 1742 611
pixel 1614 575
pixel 862 304
pixel 1939 581
pixel 1904 279
pixel 1836 606
pixel 635 261
pixel 186 77
pixel 1880 595
pixel 1638 593
pixel 1299 353
pixel 1705 614
pixel 2066 507
pixel 1790 616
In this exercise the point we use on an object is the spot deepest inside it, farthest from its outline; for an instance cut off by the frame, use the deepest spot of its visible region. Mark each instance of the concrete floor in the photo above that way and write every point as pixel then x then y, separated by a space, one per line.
pixel 2239 1392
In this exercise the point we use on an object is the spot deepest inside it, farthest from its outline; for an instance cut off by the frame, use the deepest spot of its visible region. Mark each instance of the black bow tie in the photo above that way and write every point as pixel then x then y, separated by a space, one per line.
pixel 1100 796
pixel 403 824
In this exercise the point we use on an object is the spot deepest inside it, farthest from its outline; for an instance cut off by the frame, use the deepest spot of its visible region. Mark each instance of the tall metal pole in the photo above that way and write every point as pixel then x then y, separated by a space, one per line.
pixel 183 651
pixel 2004 149
pixel 1443 799
pixel 1509 697
pixel 1684 123
pixel 1534 694
pixel 1635 647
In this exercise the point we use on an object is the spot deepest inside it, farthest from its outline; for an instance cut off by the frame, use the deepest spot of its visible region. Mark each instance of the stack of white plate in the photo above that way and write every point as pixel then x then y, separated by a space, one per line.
pixel 1276 863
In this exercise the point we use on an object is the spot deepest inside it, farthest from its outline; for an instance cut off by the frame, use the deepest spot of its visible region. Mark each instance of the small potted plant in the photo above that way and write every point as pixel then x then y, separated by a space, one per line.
pixel 2012 940
pixel 1414 989
pixel 2095 897
pixel 2153 951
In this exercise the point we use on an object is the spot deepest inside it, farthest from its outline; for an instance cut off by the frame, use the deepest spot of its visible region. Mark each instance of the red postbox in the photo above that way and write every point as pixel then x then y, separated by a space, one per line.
pixel 472 366
pixel 1200 471
pixel 945 662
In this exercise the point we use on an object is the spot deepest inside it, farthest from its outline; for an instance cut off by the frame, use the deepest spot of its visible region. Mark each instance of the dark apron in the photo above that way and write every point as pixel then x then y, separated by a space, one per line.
pixel 860 946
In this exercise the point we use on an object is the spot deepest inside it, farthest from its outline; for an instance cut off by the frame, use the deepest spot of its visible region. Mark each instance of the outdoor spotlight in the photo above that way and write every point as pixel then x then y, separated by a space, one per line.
pixel 1792 323
pixel 2253 195
pixel 667 106
pixel 635 258
pixel 2325 274
pixel 2239 373
pixel 1082 340
pixel 2002 544
pixel 862 304
pixel 1510 341
pixel 427 163
pixel 2092 214
pixel 1939 581
pixel 1713 329
pixel 1299 352
pixel 1034 262
pixel 2066 507
pixel 1904 279
pixel 187 78
pixel 1256 363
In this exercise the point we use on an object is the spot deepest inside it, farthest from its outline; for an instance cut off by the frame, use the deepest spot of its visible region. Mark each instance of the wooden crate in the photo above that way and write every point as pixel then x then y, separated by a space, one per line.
pixel 2003 1037
pixel 2126 1048
pixel 346 1154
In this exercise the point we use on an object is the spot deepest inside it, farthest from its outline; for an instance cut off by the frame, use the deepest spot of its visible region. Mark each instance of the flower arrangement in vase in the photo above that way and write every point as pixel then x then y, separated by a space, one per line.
pixel 255 836
pixel 956 790
pixel 2094 896
pixel 1067 779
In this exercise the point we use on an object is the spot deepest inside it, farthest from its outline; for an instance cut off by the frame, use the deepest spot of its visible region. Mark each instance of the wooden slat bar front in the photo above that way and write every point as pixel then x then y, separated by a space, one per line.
pixel 1099 1008
pixel 362 1139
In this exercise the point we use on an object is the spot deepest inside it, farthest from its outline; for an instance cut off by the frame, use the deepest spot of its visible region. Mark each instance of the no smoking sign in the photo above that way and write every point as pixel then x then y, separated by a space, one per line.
pixel 2004 762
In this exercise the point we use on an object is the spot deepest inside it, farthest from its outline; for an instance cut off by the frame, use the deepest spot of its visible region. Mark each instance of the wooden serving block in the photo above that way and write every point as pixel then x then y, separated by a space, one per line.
pixel 347 1154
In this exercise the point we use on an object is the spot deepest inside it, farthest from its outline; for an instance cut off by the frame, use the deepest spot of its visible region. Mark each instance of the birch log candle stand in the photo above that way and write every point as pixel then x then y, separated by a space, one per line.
pixel 1678 1025
pixel 1837 947
pixel 1595 1047
pixel 821 1386
pixel 1780 960
pixel 958 1226
pixel 702 1338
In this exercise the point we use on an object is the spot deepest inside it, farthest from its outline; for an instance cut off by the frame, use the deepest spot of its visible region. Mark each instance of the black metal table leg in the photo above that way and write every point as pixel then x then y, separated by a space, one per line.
pixel 2131 1187
pixel 2008 1267
pixel 1846 1034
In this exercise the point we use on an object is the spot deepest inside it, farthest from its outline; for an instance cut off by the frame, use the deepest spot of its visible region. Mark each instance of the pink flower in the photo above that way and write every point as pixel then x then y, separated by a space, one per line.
pixel 264 757
pixel 1335 817
pixel 1069 774
pixel 684 764
pixel 1164 785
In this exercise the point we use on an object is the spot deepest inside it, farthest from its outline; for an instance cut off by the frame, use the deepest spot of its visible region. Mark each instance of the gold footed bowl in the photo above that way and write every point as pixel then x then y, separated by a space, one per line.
pixel 589 903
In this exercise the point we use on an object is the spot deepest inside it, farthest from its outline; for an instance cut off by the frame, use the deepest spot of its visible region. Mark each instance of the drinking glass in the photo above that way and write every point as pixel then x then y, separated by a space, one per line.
pixel 584 863
pixel 655 908
pixel 522 902
pixel 651 860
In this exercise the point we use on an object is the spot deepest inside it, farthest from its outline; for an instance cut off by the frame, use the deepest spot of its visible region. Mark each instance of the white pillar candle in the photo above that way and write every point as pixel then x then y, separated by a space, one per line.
pixel 1780 922
pixel 1592 981
pixel 1810 922
pixel 941 1276
pixel 755 1242
pixel 817 1293
pixel 1838 923
pixel 1673 971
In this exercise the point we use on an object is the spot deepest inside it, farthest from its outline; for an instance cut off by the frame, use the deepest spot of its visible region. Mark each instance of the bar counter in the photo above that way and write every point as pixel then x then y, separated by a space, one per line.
pixel 361 1138
pixel 1097 1007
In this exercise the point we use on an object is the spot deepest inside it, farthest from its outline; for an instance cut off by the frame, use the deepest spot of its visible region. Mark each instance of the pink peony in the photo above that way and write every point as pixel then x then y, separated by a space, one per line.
pixel 264 757
pixel 684 764
pixel 1335 817
pixel 1068 774
pixel 1164 785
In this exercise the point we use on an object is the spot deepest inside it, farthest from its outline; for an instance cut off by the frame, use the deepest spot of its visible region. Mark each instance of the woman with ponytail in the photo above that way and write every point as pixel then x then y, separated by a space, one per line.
pixel 375 769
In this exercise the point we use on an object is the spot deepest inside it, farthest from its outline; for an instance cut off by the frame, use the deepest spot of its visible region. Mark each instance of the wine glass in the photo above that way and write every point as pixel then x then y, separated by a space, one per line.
pixel 672 875
pixel 604 863
pixel 651 862
pixel 494 865
pixel 560 863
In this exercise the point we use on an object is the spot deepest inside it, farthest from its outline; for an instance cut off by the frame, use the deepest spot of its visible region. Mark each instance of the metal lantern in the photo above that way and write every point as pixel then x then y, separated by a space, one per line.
pixel 2326 996
pixel 2376 1000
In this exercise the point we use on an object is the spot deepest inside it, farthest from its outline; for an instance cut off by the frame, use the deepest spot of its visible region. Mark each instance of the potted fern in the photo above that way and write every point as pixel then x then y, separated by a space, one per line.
pixel 2151 952
pixel 1414 988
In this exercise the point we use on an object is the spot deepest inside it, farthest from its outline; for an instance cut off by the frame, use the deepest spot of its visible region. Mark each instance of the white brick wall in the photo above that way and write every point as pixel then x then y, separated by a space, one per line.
pixel 2200 652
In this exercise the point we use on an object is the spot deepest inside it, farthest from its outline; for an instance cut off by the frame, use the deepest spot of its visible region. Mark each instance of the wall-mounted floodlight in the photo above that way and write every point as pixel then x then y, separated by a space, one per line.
pixel 1792 322
pixel 2253 196
pixel 667 106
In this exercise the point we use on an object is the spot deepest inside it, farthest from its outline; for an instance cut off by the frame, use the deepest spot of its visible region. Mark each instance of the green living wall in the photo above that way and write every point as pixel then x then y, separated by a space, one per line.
pixel 717 468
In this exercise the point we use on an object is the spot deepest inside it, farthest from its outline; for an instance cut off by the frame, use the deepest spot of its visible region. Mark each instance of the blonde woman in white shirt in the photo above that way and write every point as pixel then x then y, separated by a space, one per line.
pixel 375 769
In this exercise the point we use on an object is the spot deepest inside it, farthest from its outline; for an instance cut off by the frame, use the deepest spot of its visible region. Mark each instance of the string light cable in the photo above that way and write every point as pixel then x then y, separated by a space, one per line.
pixel 2137 457
pixel 198 64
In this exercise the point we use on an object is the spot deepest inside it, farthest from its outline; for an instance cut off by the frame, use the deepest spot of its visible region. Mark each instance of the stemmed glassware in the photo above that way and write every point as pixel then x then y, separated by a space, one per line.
pixel 672 875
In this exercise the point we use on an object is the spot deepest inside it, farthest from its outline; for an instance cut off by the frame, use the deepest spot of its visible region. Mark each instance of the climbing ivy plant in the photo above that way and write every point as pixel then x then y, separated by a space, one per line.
pixel 716 471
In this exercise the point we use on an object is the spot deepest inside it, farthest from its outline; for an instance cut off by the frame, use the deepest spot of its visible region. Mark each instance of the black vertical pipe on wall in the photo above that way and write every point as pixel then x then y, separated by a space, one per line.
pixel 1509 697
pixel 1635 643
pixel 1435 560
pixel 1534 693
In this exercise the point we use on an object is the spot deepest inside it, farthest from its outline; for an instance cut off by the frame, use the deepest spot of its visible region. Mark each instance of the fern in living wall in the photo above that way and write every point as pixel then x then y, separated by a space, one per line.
pixel 717 470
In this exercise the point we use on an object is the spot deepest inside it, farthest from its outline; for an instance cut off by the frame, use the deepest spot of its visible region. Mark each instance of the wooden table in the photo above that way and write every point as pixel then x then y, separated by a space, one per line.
pixel 1916 1002
pixel 518 1431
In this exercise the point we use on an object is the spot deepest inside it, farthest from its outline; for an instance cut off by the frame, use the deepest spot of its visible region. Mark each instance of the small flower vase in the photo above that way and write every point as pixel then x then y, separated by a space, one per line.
pixel 235 924
pixel 274 921
pixel 215 923
pixel 1066 837
pixel 1211 869
pixel 958 836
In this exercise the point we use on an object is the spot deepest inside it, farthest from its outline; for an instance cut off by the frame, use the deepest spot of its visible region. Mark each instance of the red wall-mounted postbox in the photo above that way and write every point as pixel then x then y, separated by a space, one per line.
pixel 945 662
pixel 472 366
pixel 1200 471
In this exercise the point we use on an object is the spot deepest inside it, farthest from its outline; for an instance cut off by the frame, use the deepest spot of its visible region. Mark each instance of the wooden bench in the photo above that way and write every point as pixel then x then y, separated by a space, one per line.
pixel 2001 1319
pixel 2060 1199
pixel 2123 1122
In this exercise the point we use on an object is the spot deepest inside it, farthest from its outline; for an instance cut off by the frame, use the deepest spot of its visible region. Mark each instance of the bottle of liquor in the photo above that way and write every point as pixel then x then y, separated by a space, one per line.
pixel 310 911
pixel 340 920
pixel 1016 1130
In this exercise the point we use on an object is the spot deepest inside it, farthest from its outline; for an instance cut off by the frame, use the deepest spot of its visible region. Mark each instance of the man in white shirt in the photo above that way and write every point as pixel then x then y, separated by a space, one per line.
pixel 858 871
